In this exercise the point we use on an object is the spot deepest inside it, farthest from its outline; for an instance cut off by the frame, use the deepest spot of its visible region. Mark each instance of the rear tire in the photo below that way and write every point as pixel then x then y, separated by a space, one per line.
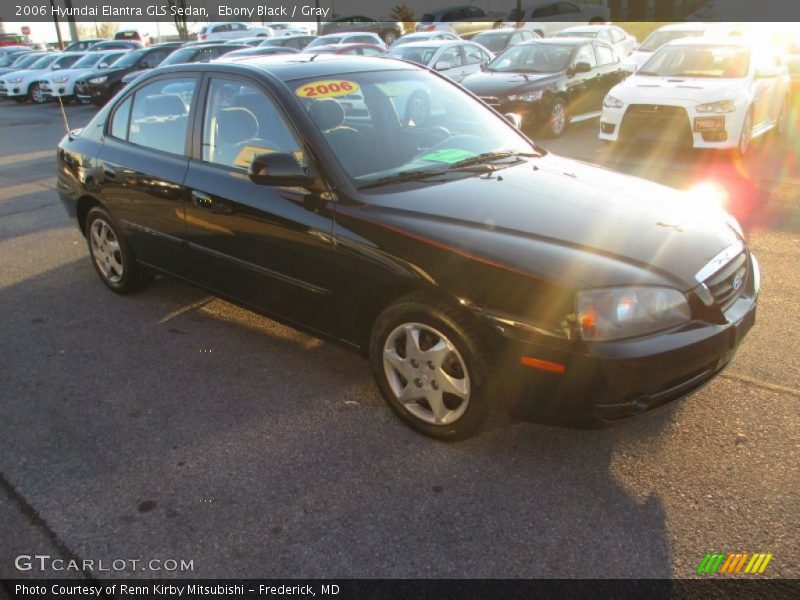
pixel 432 367
pixel 111 255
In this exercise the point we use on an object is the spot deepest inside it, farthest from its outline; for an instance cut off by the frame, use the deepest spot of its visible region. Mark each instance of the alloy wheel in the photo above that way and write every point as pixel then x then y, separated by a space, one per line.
pixel 36 94
pixel 558 118
pixel 426 373
pixel 106 251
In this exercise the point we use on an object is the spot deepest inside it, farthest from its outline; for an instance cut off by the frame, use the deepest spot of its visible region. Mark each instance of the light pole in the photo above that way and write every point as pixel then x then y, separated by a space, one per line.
pixel 58 28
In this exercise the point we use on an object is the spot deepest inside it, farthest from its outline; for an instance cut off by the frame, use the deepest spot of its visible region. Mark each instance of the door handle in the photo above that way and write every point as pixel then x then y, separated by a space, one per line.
pixel 206 202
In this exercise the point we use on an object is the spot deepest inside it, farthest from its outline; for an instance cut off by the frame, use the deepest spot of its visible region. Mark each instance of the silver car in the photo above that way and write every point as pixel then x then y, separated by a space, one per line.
pixel 454 59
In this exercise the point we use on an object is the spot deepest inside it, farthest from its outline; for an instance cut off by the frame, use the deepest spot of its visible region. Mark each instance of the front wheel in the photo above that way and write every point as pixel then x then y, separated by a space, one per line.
pixel 432 368
pixel 557 119
pixel 111 255
pixel 36 95
pixel 746 135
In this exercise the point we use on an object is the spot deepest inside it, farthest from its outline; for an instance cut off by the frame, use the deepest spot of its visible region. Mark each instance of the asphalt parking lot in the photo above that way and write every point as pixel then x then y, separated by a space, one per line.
pixel 171 425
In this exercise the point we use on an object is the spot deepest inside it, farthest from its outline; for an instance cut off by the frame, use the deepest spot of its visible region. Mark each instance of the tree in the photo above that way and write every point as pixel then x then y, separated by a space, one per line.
pixel 401 13
pixel 100 30
pixel 180 18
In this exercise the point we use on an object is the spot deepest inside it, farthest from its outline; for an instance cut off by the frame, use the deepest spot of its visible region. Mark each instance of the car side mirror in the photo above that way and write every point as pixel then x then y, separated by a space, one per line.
pixel 442 65
pixel 514 119
pixel 278 168
pixel 582 67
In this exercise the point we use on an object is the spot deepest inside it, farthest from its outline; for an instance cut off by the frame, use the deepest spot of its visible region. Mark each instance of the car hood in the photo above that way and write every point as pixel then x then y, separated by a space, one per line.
pixel 71 73
pixel 643 87
pixel 566 204
pixel 27 73
pixel 491 83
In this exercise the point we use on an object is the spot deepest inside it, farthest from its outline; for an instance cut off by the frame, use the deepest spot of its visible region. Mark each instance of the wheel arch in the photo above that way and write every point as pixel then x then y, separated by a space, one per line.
pixel 82 207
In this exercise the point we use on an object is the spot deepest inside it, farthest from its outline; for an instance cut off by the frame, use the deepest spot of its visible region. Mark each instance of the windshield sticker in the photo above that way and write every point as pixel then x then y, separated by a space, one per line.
pixel 448 155
pixel 326 89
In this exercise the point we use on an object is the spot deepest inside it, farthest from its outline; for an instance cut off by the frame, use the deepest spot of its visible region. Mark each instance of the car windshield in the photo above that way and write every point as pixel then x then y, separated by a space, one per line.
pixel 43 62
pixel 701 61
pixel 325 40
pixel 180 56
pixel 581 33
pixel 18 60
pixel 130 59
pixel 89 60
pixel 655 40
pixel 434 122
pixel 496 42
pixel 533 58
pixel 66 61
pixel 420 55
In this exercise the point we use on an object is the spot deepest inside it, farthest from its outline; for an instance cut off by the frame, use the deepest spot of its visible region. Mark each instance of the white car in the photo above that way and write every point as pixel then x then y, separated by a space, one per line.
pixel 24 85
pixel 339 39
pixel 622 42
pixel 231 30
pixel 281 29
pixel 702 93
pixel 453 59
pixel 422 36
pixel 548 17
pixel 61 83
pixel 664 35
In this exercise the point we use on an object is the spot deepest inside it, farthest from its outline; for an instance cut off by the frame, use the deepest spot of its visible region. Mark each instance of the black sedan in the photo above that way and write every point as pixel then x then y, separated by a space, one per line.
pixel 297 42
pixel 550 82
pixel 473 268
pixel 100 86
pixel 191 54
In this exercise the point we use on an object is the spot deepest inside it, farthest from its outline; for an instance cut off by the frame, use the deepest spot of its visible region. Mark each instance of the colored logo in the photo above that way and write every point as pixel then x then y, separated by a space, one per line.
pixel 720 563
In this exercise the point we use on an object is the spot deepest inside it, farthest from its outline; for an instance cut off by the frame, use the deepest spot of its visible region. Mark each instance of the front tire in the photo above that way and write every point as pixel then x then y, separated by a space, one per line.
pixel 111 255
pixel 35 94
pixel 746 135
pixel 557 118
pixel 432 368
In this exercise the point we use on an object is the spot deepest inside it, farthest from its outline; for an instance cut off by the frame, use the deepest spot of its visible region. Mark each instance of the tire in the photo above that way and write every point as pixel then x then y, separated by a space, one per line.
pixel 556 125
pixel 745 136
pixel 111 255
pixel 410 376
pixel 35 94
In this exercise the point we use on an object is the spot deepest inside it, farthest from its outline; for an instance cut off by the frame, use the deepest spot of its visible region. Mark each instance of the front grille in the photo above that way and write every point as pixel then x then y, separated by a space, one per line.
pixel 727 284
pixel 491 100
pixel 657 122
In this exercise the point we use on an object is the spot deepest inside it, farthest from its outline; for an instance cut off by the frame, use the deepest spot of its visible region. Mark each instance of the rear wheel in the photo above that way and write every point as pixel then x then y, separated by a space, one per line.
pixel 432 368
pixel 111 255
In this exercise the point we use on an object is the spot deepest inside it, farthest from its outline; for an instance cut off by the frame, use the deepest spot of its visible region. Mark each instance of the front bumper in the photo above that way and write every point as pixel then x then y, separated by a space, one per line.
pixel 56 90
pixel 671 124
pixel 531 113
pixel 12 90
pixel 610 382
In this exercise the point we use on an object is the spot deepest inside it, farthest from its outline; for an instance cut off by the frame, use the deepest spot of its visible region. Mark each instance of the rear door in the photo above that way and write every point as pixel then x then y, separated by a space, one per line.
pixel 143 164
pixel 267 246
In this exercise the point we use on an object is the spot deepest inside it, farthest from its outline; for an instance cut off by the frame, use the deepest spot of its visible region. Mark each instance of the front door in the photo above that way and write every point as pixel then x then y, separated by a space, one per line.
pixel 267 246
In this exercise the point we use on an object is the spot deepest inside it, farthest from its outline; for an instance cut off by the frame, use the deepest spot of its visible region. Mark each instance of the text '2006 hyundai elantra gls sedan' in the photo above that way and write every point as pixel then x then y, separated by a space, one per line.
pixel 377 204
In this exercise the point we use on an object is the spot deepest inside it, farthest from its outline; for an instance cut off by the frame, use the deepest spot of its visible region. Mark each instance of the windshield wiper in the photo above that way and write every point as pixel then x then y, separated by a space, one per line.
pixel 488 157
pixel 416 175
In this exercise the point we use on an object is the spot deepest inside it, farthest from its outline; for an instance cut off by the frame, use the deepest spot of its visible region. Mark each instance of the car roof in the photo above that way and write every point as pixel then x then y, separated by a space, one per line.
pixel 587 28
pixel 561 41
pixel 434 43
pixel 498 30
pixel 688 26
pixel 289 67
pixel 711 41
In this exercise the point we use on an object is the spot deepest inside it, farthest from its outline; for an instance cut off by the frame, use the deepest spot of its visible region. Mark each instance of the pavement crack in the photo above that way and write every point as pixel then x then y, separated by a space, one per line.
pixel 37 521
pixel 762 384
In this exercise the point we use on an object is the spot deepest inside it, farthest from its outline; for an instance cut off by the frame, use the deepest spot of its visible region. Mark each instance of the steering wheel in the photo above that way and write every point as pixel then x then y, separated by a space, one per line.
pixel 432 136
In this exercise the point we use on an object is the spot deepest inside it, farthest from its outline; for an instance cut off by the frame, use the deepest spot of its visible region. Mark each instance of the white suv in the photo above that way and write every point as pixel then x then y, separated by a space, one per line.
pixel 700 92
pixel 61 83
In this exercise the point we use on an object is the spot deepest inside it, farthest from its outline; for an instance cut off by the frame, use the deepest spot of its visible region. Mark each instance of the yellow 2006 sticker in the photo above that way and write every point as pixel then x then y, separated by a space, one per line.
pixel 332 88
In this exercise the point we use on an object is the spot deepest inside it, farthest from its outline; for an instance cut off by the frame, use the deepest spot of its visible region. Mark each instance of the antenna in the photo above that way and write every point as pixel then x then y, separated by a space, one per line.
pixel 63 114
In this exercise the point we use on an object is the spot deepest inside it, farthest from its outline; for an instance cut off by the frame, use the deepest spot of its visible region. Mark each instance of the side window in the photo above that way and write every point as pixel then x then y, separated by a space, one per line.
pixel 364 39
pixel 617 35
pixel 452 56
pixel 605 55
pixel 604 35
pixel 371 52
pixel 585 54
pixel 241 122
pixel 474 55
pixel 153 59
pixel 119 122
pixel 160 114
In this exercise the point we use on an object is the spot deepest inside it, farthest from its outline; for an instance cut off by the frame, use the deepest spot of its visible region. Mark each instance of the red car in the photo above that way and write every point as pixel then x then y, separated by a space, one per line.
pixel 352 49
pixel 14 39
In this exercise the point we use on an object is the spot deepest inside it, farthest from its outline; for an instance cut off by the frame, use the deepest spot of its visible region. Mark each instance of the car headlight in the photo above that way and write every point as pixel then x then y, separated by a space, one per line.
pixel 610 102
pixel 723 106
pixel 64 79
pixel 98 79
pixel 618 313
pixel 533 96
pixel 15 80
